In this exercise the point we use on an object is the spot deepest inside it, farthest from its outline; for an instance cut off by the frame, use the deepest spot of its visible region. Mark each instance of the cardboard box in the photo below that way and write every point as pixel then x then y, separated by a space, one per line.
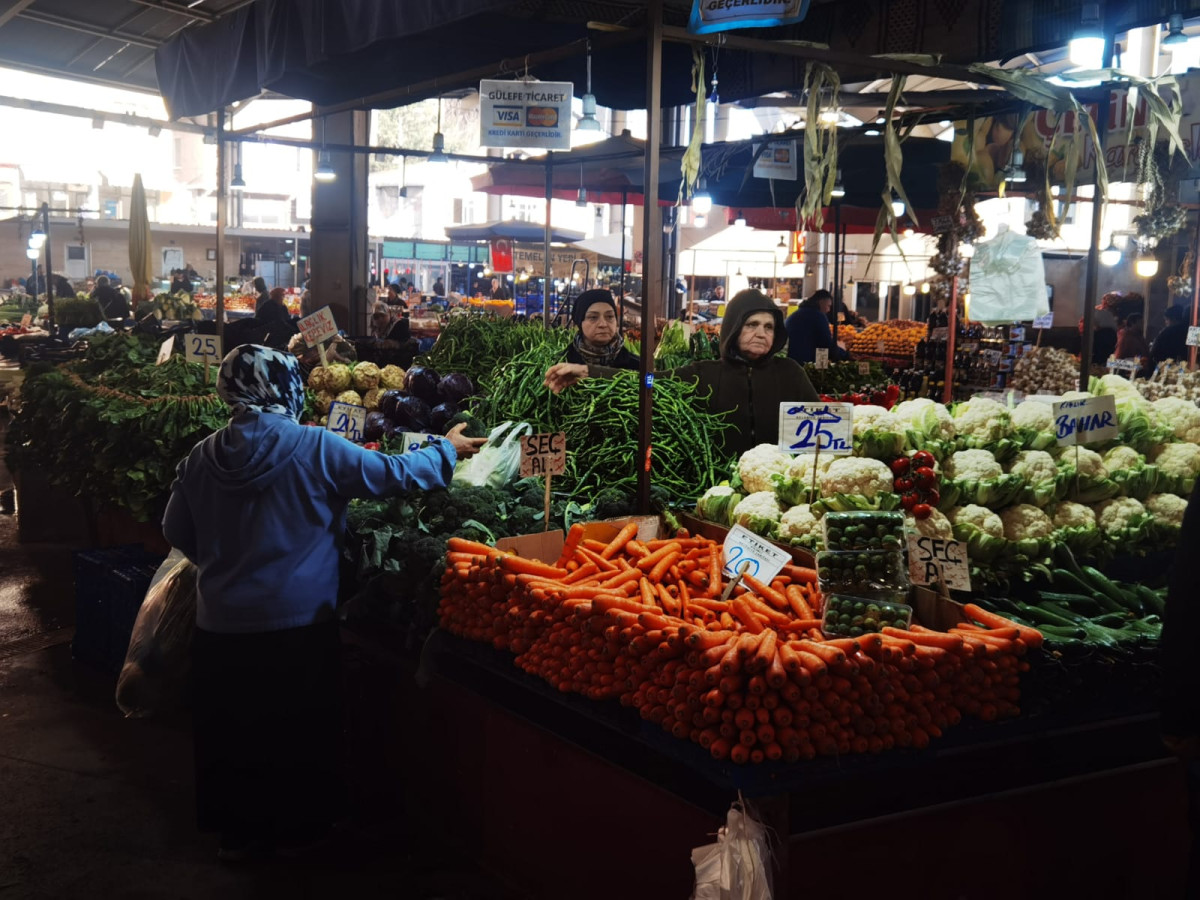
pixel 546 546
pixel 936 612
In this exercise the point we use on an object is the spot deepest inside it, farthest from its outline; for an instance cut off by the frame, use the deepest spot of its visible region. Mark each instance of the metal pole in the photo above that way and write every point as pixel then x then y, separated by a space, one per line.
pixel 49 268
pixel 951 334
pixel 1195 294
pixel 837 255
pixel 546 248
pixel 219 311
pixel 621 299
pixel 1093 263
pixel 651 242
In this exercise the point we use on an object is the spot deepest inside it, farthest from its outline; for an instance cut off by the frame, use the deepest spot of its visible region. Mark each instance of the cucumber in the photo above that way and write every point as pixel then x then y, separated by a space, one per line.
pixel 1112 620
pixel 1063 613
pixel 1069 582
pixel 1062 632
pixel 1045 617
pixel 1084 604
pixel 1106 586
pixel 1153 601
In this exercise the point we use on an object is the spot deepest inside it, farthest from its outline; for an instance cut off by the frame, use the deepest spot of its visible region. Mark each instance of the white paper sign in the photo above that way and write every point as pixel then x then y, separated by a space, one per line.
pixel 164 352
pixel 1085 421
pixel 762 558
pixel 933 559
pixel 1041 323
pixel 864 368
pixel 415 440
pixel 202 348
pixel 1193 336
pixel 822 358
pixel 525 114
pixel 320 326
pixel 348 420
pixel 543 454
pixel 802 426
pixel 777 161
pixel 1123 365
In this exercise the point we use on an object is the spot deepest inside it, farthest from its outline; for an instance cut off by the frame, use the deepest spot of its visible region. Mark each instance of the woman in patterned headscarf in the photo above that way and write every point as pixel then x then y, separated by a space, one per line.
pixel 260 508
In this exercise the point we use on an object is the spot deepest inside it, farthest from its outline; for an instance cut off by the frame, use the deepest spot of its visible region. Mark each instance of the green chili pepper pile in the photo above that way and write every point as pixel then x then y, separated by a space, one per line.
pixel 477 345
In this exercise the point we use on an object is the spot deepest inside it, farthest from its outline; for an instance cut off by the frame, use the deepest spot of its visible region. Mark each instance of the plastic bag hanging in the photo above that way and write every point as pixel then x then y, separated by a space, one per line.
pixel 738 865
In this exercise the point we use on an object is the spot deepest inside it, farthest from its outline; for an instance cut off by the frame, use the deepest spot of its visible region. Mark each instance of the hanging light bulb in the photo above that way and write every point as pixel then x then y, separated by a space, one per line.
pixel 740 221
pixel 32 252
pixel 781 249
pixel 910 290
pixel 1146 265
pixel 1175 33
pixel 924 287
pixel 439 140
pixel 581 197
pixel 700 221
pixel 1015 174
pixel 1086 48
pixel 325 171
pixel 702 200
pixel 1110 255
pixel 238 183
pixel 839 189
pixel 898 207
pixel 37 238
pixel 588 121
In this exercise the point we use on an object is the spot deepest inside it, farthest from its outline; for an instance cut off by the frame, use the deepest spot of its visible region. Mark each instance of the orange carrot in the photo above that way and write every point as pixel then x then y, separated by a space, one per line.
pixel 772 596
pixel 648 562
pixel 795 598
pixel 741 610
pixel 624 536
pixel 662 566
pixel 1030 636
pixel 648 595
pixel 604 565
pixel 583 573
pixel 574 537
pixel 800 574
pixel 462 545
pixel 952 642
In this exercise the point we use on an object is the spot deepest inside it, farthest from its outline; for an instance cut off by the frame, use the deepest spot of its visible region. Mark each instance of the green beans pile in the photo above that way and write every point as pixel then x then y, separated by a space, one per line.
pixel 477 345
pixel 600 416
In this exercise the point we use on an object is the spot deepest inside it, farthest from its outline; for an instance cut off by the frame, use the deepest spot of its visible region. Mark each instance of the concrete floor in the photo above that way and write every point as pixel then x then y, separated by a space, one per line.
pixel 98 806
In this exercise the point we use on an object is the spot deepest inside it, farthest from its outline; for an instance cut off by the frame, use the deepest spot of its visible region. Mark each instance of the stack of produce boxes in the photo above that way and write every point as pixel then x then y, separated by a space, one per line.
pixel 862 573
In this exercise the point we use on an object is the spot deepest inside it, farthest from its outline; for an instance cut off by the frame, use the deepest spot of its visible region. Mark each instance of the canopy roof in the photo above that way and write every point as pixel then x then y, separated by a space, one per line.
pixel 514 230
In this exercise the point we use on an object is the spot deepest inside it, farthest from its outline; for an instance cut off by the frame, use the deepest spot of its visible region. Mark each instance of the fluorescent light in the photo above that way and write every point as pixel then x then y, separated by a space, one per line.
pixel 325 171
pixel 1110 255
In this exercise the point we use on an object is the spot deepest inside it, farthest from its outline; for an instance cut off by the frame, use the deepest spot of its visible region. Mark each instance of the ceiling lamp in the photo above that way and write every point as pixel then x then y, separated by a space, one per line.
pixel 1175 33
pixel 740 221
pixel 588 121
pixel 839 189
pixel 910 289
pixel 898 206
pixel 924 287
pixel 828 116
pixel 32 252
pixel 781 250
pixel 700 221
pixel 1110 255
pixel 1086 48
pixel 37 238
pixel 1146 265
pixel 439 140
pixel 581 197
pixel 238 183
pixel 325 171
pixel 702 200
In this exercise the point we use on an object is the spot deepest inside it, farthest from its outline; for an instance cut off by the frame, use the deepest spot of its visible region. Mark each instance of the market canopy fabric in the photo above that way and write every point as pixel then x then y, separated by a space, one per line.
pixel 514 230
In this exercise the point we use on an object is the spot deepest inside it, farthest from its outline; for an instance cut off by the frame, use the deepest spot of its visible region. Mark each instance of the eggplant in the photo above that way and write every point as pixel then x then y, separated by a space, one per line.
pixel 376 426
pixel 388 400
pixel 455 388
pixel 412 414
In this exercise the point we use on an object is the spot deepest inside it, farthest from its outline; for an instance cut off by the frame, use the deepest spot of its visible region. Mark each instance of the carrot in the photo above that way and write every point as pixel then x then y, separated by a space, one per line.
pixel 1030 636
pixel 766 652
pixel 668 603
pixel 795 598
pixel 829 655
pixel 684 599
pixel 583 573
pixel 662 566
pixel 761 609
pixel 800 574
pixel 522 566
pixel 952 642
pixel 801 625
pixel 741 610
pixel 648 562
pixel 706 640
pixel 617 544
pixel 636 549
pixel 574 538
pixel 810 661
pixel 772 596
pixel 714 573
pixel 604 565
pixel 776 674
pixel 462 545
pixel 621 578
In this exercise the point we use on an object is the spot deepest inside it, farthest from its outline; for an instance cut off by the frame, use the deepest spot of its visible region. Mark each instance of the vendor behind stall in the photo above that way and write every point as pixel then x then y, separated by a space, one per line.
pixel 112 302
pixel 599 340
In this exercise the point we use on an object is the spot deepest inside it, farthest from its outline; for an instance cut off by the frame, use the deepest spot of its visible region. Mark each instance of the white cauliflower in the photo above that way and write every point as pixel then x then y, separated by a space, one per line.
pixel 1115 384
pixel 1089 461
pixel 1181 460
pixel 1167 508
pixel 935 525
pixel 1182 415
pixel 867 417
pixel 1026 521
pixel 1118 513
pixel 1122 456
pixel 801 466
pixel 907 410
pixel 1033 414
pixel 758 464
pixel 979 516
pixel 930 418
pixel 982 419
pixel 856 475
pixel 974 464
pixel 1035 466
pixel 1074 515
pixel 759 512
pixel 799 523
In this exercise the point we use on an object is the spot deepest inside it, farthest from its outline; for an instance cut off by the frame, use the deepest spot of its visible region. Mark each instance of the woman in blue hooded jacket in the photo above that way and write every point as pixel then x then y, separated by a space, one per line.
pixel 260 508
pixel 808 329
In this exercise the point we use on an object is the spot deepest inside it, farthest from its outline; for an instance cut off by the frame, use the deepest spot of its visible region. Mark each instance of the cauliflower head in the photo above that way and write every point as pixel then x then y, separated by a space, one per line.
pixel 339 377
pixel 1026 521
pixel 1123 456
pixel 1034 466
pixel 1033 414
pixel 352 397
pixel 935 525
pixel 1090 463
pixel 1118 513
pixel 979 516
pixel 1167 508
pixel 1180 460
pixel 856 475
pixel 759 512
pixel 1115 384
pixel 979 465
pixel 1182 415
pixel 366 376
pixel 1074 515
pixel 371 398
pixel 718 503
pixel 923 415
pixel 391 377
pixel 758 464
pixel 799 524
pixel 982 419
pixel 868 417
pixel 801 466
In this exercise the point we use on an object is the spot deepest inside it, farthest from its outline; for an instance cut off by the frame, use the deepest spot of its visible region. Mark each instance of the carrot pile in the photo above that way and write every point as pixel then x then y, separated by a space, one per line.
pixel 749 679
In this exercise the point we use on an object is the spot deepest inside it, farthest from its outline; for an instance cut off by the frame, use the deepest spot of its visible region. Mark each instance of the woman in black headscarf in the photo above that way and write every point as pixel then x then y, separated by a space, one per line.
pixel 599 341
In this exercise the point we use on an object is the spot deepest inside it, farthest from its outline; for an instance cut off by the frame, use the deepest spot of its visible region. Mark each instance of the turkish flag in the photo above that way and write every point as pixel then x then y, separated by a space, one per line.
pixel 502 255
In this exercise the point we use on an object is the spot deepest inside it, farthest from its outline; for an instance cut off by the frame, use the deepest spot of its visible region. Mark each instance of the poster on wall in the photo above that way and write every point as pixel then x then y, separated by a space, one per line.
pixel 525 113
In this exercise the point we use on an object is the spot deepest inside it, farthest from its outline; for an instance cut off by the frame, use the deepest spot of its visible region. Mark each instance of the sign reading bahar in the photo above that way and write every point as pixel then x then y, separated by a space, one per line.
pixel 525 113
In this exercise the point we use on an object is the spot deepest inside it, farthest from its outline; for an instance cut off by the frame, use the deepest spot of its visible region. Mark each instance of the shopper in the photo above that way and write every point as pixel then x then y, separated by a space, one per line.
pixel 180 284
pixel 439 288
pixel 275 317
pixel 499 292
pixel 1171 342
pixel 260 285
pixel 112 302
pixel 260 507
pixel 385 328
pixel 808 330
pixel 599 340
pixel 1131 343
pixel 748 382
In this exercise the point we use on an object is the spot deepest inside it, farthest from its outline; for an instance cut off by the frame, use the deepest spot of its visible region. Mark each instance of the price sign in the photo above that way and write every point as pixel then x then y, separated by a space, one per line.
pixel 415 440
pixel 942 224
pixel 1041 323
pixel 1123 365
pixel 939 334
pixel 348 420
pixel 880 347
pixel 318 327
pixel 1193 335
pixel 543 454
pixel 164 352
pixel 935 559
pixel 1085 421
pixel 763 560
pixel 26 320
pixel 822 358
pixel 864 368
pixel 804 427
pixel 202 348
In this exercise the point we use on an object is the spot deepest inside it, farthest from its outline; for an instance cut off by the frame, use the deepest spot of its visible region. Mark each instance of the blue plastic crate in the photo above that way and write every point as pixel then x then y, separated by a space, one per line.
pixel 110 585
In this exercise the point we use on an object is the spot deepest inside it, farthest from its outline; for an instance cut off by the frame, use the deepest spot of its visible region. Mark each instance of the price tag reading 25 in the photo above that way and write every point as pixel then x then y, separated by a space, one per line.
pixel 803 427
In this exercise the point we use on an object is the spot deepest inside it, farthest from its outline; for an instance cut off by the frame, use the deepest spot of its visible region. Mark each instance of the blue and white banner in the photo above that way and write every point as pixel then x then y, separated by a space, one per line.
pixel 721 15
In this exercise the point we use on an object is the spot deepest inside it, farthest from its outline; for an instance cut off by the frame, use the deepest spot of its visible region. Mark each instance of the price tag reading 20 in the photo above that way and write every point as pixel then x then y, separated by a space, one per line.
pixel 347 420
pixel 805 427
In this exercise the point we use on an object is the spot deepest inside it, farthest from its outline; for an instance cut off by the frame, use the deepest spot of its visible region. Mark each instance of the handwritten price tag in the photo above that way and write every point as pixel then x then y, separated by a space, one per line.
pixel 934 559
pixel 1041 323
pixel 348 420
pixel 803 426
pixel 822 358
pixel 318 327
pixel 543 454
pixel 1085 421
pixel 1193 335
pixel 415 440
pixel 165 351
pixel 864 368
pixel 202 348
pixel 763 560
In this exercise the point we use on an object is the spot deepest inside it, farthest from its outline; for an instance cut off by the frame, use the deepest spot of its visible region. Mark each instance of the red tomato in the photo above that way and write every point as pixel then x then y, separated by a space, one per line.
pixel 923 458
pixel 933 497
pixel 371 445
pixel 909 500
pixel 922 510
pixel 925 478
pixel 903 484
pixel 900 465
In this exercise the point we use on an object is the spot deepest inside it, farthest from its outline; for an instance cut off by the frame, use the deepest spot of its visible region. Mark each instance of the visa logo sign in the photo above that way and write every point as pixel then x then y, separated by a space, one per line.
pixel 508 115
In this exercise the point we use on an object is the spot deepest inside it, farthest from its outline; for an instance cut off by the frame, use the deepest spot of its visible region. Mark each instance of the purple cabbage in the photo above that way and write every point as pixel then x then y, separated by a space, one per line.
pixel 412 414
pixel 376 425
pixel 422 382
pixel 440 415
pixel 455 388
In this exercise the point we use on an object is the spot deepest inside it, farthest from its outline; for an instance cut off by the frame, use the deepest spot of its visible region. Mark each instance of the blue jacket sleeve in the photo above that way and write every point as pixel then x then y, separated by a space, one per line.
pixel 354 472
pixel 179 528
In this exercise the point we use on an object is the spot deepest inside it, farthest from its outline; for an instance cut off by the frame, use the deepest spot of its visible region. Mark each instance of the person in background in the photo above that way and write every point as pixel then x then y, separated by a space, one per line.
pixel 717 294
pixel 499 292
pixel 179 282
pixel 393 295
pixel 260 507
pixel 599 340
pixel 1171 342
pixel 1131 343
pixel 307 305
pixel 275 317
pixel 112 302
pixel 439 288
pixel 260 285
pixel 748 382
pixel 385 328
pixel 808 330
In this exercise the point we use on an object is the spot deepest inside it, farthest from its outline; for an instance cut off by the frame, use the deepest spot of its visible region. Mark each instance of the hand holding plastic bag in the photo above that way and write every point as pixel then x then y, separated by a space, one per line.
pixel 159 656
pixel 499 460
pixel 738 865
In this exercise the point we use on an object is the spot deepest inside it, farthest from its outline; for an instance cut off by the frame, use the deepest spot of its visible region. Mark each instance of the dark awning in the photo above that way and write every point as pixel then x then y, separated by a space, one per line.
pixel 514 230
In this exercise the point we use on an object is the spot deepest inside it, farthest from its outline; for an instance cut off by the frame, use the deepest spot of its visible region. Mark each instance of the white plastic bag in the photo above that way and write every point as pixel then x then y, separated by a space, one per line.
pixel 738 865
pixel 1008 280
pixel 159 656
pixel 499 460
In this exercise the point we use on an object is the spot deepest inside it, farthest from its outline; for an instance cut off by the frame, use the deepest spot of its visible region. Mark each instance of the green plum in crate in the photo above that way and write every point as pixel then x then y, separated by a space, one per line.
pixel 850 616
pixel 861 572
pixel 864 530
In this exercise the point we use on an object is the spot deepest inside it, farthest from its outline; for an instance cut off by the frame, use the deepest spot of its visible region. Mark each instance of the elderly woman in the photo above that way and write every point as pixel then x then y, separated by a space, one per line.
pixel 384 328
pixel 748 382
pixel 260 508
pixel 808 329
pixel 599 340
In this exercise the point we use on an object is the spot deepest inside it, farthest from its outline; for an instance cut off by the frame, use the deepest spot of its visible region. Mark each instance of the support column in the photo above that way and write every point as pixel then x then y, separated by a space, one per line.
pixel 339 224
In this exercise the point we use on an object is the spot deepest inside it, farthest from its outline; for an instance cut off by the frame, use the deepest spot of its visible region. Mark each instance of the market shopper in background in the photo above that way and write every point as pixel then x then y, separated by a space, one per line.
pixel 260 285
pixel 1171 342
pixel 112 302
pixel 599 340
pixel 260 507
pixel 499 292
pixel 808 329
pixel 1131 343
pixel 179 284
pixel 274 316
pixel 747 383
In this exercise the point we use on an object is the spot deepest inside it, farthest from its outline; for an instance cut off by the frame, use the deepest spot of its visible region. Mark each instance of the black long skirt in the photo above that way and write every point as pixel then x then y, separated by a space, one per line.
pixel 267 728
